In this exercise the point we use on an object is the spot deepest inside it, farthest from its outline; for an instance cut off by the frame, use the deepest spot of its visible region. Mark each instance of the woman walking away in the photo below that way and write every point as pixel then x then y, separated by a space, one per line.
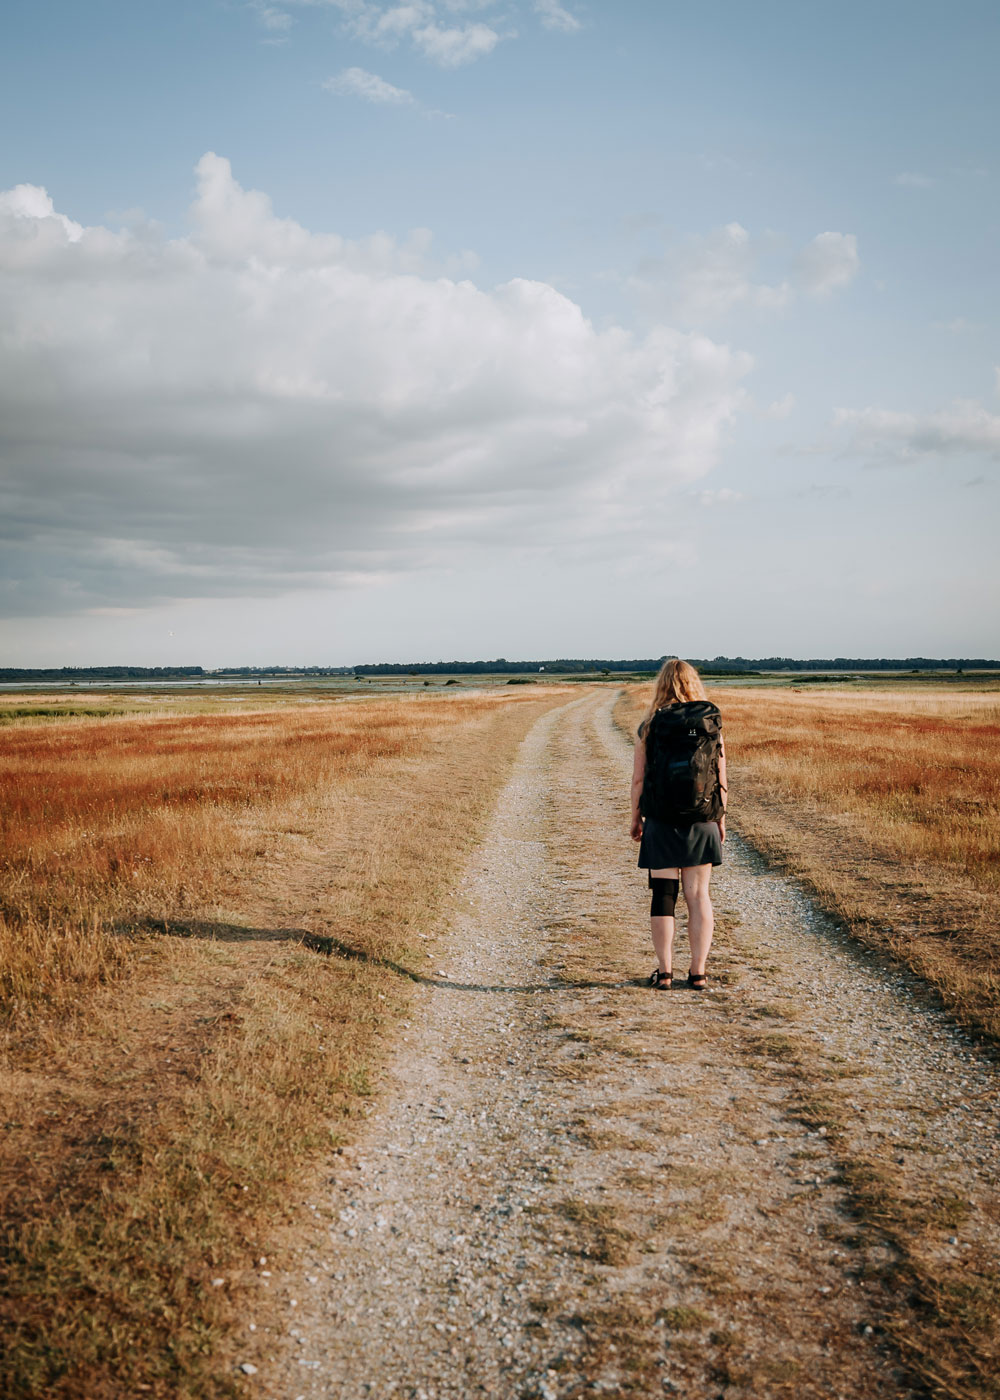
pixel 679 813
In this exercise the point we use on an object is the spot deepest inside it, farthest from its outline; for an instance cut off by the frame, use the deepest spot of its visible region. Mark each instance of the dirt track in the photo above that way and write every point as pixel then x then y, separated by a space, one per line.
pixel 573 1185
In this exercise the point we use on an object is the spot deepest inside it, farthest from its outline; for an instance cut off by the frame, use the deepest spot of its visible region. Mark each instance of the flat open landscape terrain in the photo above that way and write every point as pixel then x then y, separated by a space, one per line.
pixel 330 1070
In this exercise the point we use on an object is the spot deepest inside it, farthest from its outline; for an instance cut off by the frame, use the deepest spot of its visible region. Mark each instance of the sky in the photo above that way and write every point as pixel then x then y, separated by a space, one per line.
pixel 342 331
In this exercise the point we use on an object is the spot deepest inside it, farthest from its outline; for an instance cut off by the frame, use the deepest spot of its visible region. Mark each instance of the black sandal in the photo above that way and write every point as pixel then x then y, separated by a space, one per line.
pixel 696 980
pixel 662 981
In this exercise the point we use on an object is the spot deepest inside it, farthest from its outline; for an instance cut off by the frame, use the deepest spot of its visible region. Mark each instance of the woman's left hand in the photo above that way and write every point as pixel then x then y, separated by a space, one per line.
pixel 635 830
pixel 722 828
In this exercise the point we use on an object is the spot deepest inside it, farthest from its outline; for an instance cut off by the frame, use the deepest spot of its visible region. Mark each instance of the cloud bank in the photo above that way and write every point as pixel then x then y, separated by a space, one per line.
pixel 255 408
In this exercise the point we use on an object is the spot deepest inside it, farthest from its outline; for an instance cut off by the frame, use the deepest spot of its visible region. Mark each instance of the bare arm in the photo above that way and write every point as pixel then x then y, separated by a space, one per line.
pixel 638 774
pixel 723 787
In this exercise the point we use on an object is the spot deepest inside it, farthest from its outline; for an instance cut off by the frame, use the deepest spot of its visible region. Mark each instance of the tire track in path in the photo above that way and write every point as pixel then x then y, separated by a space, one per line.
pixel 572 1185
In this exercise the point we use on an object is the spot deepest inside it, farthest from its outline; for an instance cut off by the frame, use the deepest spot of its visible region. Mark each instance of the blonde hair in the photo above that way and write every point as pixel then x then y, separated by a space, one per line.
pixel 677 683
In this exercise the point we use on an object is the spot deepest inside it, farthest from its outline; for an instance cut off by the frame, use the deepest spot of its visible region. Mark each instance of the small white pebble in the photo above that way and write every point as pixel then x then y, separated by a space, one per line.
pixel 218 1282
pixel 262 1260
pixel 293 1302
pixel 248 1368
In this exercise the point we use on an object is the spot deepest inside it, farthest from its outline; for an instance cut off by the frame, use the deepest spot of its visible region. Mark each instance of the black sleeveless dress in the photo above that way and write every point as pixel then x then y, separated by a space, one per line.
pixel 665 847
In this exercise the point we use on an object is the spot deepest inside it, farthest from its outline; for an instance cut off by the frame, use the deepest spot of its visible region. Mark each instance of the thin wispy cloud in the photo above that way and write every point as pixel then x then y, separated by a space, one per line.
pixel 912 180
pixel 827 263
pixel 710 275
pixel 358 82
pixel 780 408
pixel 271 18
pixel 426 27
pixel 555 16
pixel 964 427
pixel 449 33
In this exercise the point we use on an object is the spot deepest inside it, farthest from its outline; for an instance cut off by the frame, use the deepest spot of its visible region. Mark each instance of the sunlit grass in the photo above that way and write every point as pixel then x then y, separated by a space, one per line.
pixel 172 1072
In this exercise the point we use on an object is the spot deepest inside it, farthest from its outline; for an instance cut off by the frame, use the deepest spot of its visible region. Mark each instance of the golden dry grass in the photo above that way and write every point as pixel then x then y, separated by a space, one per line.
pixel 116 822
pixel 922 772
pixel 176 1056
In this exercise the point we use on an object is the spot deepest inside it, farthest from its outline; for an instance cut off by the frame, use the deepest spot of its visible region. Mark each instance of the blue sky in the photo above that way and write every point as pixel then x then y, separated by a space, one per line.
pixel 550 329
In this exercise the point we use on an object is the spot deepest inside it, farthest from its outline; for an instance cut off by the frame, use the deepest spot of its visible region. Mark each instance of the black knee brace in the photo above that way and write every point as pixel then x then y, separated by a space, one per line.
pixel 664 897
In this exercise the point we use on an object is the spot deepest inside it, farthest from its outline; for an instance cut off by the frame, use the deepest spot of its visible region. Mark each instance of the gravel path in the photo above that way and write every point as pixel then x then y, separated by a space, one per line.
pixel 573 1185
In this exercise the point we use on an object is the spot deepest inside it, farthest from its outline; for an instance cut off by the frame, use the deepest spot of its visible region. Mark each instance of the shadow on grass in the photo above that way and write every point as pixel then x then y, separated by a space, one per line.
pixel 330 947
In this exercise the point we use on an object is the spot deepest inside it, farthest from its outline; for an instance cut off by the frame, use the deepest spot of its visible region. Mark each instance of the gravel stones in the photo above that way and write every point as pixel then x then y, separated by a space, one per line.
pixel 555 1169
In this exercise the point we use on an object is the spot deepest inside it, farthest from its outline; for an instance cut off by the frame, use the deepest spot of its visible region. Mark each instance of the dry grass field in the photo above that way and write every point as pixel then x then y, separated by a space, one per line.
pixel 887 803
pixel 200 914
pixel 116 823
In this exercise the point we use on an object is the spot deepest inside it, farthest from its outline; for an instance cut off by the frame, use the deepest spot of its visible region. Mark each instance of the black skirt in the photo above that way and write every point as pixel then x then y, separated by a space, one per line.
pixel 665 847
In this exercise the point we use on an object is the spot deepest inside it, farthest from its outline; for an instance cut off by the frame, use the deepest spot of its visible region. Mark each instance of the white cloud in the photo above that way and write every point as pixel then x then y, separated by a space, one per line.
pixel 710 275
pixel 829 262
pixel 270 17
pixel 420 23
pixel 912 180
pixel 964 427
pixel 451 47
pixel 357 82
pixel 554 16
pixel 705 277
pixel 28 212
pixel 780 408
pixel 254 408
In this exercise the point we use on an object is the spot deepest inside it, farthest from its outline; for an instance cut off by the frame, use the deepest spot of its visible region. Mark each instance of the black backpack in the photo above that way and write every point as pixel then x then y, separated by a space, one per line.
pixel 683 743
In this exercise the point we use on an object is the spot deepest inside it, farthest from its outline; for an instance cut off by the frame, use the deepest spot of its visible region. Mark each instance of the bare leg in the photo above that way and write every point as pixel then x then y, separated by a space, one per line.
pixel 661 927
pixel 701 919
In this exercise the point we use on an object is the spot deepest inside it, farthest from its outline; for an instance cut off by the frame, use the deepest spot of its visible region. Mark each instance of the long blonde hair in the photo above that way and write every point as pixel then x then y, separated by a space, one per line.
pixel 677 683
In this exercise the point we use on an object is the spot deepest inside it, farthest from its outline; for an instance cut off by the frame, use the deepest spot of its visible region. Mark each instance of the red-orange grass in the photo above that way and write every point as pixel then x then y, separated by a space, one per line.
pixel 107 821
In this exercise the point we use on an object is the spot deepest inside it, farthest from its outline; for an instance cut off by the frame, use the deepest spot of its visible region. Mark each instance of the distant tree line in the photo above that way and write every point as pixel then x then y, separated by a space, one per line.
pixel 501 666
pixel 718 665
pixel 854 663
pixel 282 671
pixel 70 674
pixel 101 673
pixel 565 666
